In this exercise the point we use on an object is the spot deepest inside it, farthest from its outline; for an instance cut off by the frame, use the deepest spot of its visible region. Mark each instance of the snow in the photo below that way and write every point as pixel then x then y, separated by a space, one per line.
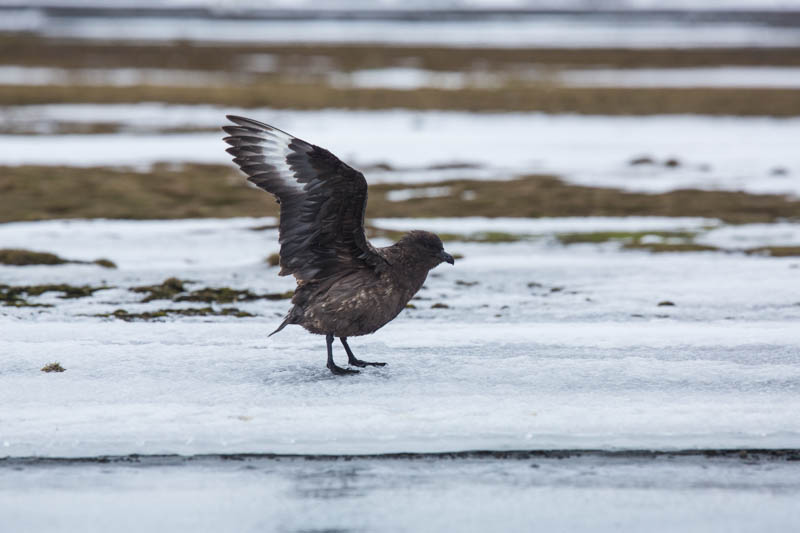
pixel 753 154
pixel 548 31
pixel 595 363
pixel 118 77
pixel 753 236
pixel 726 76
pixel 552 225
pixel 408 78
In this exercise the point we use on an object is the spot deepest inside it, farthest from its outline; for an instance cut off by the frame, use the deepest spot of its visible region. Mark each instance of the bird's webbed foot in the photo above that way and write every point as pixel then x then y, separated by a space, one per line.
pixel 339 371
pixel 359 363
pixel 352 360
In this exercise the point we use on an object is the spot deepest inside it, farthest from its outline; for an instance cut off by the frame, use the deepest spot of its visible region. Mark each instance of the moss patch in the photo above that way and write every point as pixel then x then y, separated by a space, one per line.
pixel 188 191
pixel 32 50
pixel 280 94
pixel 776 251
pixel 166 290
pixel 283 88
pixel 53 367
pixel 20 257
pixel 671 247
pixel 164 313
pixel 16 296
pixel 222 295
pixel 274 260
pixel 624 236
pixel 175 289
pixel 672 241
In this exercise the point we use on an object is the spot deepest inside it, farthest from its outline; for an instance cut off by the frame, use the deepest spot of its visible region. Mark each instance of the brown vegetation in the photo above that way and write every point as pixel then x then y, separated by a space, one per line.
pixel 549 99
pixel 167 192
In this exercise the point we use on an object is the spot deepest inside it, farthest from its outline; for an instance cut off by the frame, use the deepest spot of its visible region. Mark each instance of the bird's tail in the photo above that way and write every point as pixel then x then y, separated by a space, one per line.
pixel 286 321
pixel 293 317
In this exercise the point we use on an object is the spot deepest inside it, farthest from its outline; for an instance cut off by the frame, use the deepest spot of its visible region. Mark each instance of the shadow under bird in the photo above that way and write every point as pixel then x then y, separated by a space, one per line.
pixel 345 286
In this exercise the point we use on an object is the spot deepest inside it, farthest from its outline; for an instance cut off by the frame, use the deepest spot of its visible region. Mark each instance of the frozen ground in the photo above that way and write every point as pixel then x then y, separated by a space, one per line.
pixel 595 493
pixel 542 347
pixel 554 30
pixel 408 78
pixel 757 155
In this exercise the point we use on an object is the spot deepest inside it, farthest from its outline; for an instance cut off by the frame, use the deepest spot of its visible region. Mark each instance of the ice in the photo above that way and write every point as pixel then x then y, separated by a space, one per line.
pixel 566 494
pixel 753 154
pixel 554 348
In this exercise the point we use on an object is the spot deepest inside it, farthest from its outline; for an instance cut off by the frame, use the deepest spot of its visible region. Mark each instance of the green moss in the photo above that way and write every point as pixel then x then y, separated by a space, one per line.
pixel 609 236
pixel 278 295
pixel 105 263
pixel 167 290
pixel 672 241
pixel 274 260
pixel 667 247
pixel 163 313
pixel 175 289
pixel 16 296
pixel 53 367
pixel 18 257
pixel 440 306
pixel 776 251
pixel 485 236
pixel 221 295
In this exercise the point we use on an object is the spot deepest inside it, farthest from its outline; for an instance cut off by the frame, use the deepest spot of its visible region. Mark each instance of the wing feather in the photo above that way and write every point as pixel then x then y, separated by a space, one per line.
pixel 322 200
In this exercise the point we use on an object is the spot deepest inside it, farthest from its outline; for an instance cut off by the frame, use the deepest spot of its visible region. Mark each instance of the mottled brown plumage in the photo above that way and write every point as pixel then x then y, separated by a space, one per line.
pixel 345 286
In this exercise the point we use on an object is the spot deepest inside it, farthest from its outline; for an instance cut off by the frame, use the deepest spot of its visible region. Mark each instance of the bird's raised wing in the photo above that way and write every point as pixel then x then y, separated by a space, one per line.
pixel 322 200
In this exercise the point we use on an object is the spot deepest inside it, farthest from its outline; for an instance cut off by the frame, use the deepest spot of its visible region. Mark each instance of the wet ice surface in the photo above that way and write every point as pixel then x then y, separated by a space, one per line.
pixel 542 347
pixel 754 154
pixel 580 493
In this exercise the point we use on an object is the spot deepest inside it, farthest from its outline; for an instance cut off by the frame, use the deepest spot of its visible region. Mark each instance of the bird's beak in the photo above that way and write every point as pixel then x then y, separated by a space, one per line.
pixel 447 258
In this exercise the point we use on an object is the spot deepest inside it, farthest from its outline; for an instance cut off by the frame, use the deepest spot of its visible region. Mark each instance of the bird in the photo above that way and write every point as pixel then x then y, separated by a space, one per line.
pixel 346 287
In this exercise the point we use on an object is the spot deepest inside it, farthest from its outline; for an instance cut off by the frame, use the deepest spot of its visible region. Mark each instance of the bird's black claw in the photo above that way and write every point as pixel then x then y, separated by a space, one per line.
pixel 362 364
pixel 339 371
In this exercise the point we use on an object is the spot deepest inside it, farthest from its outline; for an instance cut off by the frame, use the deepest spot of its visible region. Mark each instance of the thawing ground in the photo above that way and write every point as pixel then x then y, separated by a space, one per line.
pixel 540 347
pixel 410 78
pixel 560 30
pixel 757 155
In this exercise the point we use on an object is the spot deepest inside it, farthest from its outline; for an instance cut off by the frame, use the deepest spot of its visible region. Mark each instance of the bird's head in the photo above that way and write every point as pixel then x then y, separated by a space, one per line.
pixel 426 247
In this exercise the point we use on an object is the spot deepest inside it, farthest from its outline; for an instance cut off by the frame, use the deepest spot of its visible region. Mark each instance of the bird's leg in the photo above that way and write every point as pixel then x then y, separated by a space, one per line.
pixel 339 371
pixel 351 359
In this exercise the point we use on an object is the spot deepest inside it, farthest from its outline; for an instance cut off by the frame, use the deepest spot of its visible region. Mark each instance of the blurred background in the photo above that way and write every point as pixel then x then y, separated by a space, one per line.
pixel 113 109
